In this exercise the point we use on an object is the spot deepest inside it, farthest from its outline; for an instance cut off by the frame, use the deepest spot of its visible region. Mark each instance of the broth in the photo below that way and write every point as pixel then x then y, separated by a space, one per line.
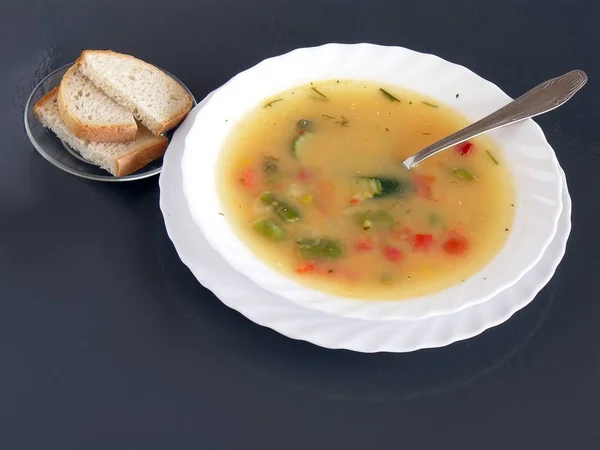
pixel 312 182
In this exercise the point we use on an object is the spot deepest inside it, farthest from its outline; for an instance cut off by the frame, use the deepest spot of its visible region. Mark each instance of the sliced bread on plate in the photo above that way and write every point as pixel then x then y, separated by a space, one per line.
pixel 119 159
pixel 89 113
pixel 155 99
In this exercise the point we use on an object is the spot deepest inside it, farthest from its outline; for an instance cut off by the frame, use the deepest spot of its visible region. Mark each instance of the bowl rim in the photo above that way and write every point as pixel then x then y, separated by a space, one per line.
pixel 296 322
pixel 457 299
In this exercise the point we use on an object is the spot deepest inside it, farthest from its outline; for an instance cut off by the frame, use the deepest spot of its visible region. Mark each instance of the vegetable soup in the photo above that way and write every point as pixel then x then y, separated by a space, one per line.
pixel 312 181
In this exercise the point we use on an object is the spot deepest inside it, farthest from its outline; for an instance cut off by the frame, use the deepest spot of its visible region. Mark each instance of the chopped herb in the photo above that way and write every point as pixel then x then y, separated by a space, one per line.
pixel 318 92
pixel 512 204
pixel 426 134
pixel 270 164
pixel 337 81
pixel 273 101
pixel 457 95
pixel 430 104
pixel 389 96
pixel 343 122
pixel 221 214
pixel 325 116
pixel 410 103
pixel 492 157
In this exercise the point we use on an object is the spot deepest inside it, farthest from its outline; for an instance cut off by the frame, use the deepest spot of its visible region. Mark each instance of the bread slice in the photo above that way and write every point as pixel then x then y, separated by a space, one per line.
pixel 89 113
pixel 119 159
pixel 154 98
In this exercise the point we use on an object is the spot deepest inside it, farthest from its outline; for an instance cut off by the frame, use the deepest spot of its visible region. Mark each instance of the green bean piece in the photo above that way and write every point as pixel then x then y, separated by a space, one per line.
pixel 463 174
pixel 285 211
pixel 269 229
pixel 378 220
pixel 319 249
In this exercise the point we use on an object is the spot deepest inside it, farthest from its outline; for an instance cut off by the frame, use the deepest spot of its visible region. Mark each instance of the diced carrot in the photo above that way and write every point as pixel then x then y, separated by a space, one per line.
pixel 354 201
pixel 423 185
pixel 364 244
pixel 422 242
pixel 248 178
pixel 465 148
pixel 456 244
pixel 403 234
pixel 393 254
pixel 306 267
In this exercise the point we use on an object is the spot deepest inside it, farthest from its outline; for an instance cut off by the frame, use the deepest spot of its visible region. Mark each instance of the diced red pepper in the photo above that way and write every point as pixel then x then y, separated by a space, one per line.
pixel 423 185
pixel 303 175
pixel 456 244
pixel 422 242
pixel 354 201
pixel 306 267
pixel 248 176
pixel 364 244
pixel 403 235
pixel 393 254
pixel 465 148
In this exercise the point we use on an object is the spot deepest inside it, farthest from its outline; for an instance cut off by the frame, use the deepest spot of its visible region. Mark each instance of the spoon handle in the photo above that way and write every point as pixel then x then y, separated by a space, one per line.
pixel 543 98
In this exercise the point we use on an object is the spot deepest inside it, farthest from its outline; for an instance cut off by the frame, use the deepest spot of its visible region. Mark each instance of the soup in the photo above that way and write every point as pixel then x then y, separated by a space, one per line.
pixel 312 182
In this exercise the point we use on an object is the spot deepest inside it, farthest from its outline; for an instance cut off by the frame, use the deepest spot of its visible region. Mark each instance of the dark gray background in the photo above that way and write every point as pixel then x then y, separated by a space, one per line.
pixel 106 339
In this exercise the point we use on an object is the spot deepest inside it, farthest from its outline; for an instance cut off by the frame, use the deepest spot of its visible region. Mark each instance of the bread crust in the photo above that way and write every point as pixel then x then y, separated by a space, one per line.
pixel 94 133
pixel 42 101
pixel 149 151
pixel 174 121
pixel 156 128
pixel 134 161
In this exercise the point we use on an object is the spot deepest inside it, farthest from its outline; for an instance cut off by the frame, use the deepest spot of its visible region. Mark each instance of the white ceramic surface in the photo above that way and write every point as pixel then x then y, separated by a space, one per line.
pixel 294 321
pixel 532 162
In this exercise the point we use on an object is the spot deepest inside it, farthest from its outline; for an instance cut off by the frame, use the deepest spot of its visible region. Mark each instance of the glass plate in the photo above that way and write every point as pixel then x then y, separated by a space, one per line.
pixel 61 154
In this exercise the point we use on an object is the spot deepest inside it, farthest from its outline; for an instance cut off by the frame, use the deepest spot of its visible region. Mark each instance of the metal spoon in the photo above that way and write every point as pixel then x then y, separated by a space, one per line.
pixel 541 99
